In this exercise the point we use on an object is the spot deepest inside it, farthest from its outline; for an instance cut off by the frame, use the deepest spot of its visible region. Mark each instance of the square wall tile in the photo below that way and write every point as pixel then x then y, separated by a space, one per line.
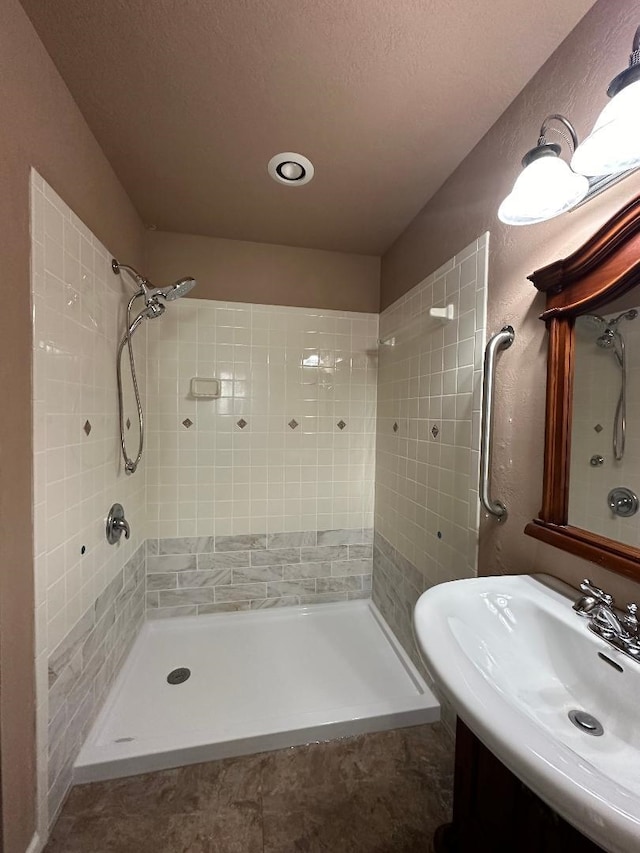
pixel 427 426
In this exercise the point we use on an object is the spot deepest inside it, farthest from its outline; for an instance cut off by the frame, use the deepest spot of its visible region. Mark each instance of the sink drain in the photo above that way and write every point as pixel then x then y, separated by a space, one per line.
pixel 179 675
pixel 586 723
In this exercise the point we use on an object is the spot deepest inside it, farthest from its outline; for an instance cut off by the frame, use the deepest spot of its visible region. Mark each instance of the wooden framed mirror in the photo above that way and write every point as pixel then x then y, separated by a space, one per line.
pixel 592 428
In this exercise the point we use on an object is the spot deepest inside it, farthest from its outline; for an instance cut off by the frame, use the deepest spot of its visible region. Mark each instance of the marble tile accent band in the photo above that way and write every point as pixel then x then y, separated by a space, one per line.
pixel 82 667
pixel 197 575
pixel 397 585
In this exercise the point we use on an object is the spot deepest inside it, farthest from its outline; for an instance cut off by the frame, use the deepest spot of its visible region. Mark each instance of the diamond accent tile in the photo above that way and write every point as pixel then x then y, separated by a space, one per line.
pixel 598 427
pixel 341 424
pixel 87 427
pixel 396 427
pixel 128 423
pixel 435 431
pixel 242 423
pixel 293 423
pixel 187 423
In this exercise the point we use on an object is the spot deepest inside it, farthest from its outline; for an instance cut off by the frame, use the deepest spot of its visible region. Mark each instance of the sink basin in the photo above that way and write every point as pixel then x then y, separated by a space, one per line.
pixel 514 659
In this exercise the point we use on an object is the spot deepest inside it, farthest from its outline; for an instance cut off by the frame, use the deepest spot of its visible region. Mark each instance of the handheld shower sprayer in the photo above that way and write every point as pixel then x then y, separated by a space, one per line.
pixel 612 339
pixel 155 299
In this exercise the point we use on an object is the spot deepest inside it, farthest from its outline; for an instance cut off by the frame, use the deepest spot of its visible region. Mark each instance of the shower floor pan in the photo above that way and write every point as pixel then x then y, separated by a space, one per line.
pixel 258 681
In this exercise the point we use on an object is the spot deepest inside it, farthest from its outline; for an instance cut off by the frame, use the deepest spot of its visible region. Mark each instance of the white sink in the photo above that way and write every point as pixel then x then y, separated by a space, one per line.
pixel 513 659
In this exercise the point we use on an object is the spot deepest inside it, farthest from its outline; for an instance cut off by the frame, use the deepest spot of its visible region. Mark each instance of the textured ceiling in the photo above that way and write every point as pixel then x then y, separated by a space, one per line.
pixel 189 100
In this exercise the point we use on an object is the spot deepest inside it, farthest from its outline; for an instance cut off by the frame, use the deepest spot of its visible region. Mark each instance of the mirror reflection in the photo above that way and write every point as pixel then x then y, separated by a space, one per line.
pixel 604 478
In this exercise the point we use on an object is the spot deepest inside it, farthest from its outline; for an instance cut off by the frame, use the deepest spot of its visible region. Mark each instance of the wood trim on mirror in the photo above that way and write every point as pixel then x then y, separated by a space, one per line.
pixel 605 268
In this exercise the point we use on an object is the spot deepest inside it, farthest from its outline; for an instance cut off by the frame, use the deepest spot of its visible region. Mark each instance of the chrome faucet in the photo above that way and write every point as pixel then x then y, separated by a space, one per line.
pixel 620 630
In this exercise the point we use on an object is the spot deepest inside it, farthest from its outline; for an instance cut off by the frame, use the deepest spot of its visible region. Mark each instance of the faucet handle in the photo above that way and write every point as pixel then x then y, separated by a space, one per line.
pixel 631 619
pixel 597 593
pixel 585 605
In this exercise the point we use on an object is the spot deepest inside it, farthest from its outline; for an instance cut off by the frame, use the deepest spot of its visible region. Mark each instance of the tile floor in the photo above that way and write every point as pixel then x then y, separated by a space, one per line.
pixel 378 793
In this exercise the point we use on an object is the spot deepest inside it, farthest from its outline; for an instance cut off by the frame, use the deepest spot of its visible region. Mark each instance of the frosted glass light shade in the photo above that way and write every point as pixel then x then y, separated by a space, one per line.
pixel 545 188
pixel 614 143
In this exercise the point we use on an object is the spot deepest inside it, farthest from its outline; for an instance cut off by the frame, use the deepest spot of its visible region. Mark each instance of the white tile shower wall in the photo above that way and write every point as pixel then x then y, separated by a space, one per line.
pixel 89 594
pixel 428 434
pixel 596 391
pixel 288 446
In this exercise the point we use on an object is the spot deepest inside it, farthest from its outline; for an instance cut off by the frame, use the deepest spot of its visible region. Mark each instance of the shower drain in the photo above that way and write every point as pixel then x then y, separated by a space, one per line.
pixel 179 675
pixel 586 723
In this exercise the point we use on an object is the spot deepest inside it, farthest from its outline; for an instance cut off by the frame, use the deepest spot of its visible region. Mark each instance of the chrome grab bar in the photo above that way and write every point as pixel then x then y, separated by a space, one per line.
pixel 501 340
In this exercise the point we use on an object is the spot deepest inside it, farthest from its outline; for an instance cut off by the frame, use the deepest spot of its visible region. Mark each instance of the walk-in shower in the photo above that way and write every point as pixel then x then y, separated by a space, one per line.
pixel 611 338
pixel 154 299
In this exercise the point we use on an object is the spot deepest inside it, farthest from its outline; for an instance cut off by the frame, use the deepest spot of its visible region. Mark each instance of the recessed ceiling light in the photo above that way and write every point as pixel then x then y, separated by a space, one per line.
pixel 291 169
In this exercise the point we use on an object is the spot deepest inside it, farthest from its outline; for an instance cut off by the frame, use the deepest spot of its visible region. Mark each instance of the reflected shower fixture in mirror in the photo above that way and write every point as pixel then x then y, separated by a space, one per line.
pixel 154 306
pixel 549 185
pixel 610 338
pixel 592 316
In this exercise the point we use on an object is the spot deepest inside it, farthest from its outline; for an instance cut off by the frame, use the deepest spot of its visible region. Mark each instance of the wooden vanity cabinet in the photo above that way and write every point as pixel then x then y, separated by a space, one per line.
pixel 494 812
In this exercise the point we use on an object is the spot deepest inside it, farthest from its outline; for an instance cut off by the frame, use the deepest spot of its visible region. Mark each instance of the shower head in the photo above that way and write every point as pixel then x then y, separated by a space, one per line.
pixel 606 339
pixel 626 315
pixel 172 291
pixel 175 290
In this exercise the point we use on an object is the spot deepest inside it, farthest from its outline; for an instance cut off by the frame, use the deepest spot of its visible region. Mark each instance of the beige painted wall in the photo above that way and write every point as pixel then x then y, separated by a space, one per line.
pixel 240 271
pixel 45 129
pixel 573 81
pixel 42 127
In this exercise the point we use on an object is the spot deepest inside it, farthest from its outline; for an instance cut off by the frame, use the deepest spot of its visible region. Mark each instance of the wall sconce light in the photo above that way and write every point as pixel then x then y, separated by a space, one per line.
pixel 613 145
pixel 548 186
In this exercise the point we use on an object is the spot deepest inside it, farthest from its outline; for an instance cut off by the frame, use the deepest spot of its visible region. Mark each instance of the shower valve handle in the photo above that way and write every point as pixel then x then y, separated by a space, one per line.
pixel 122 525
pixel 117 524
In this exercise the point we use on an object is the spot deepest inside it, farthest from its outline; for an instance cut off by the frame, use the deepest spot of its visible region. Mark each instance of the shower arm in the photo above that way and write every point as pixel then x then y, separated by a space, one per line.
pixel 145 286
